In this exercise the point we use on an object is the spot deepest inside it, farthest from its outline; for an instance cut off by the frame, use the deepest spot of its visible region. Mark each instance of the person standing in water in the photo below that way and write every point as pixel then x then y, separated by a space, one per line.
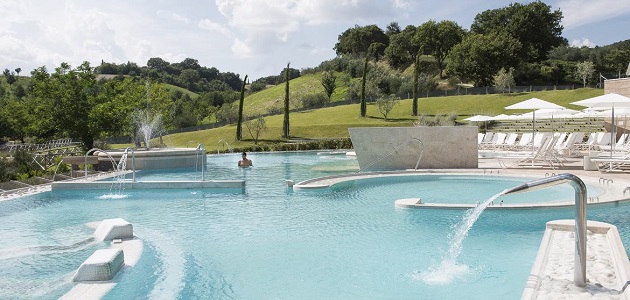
pixel 244 162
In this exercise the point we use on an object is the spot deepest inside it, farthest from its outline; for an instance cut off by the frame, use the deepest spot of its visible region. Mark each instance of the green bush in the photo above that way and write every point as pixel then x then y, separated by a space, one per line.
pixel 314 100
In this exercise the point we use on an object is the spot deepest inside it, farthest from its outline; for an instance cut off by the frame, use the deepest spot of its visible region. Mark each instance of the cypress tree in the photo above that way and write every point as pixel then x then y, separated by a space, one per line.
pixel 285 123
pixel 239 125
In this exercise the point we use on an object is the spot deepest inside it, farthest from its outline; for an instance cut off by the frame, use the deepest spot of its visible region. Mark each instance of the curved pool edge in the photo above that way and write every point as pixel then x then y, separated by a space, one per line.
pixel 613 190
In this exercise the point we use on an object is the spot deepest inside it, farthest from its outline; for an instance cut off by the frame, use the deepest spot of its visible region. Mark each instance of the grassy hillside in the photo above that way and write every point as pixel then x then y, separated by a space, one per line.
pixel 334 122
pixel 171 88
pixel 261 102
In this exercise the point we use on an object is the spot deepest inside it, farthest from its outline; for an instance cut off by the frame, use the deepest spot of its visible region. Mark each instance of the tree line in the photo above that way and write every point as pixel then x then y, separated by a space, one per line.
pixel 517 44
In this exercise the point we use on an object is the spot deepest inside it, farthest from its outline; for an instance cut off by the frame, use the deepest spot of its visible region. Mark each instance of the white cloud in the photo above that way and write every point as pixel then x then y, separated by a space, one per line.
pixel 173 16
pixel 263 24
pixel 581 12
pixel 584 42
pixel 214 27
pixel 242 50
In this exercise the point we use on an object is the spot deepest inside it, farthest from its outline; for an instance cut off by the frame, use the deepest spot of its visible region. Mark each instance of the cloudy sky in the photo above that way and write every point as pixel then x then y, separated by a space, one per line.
pixel 253 37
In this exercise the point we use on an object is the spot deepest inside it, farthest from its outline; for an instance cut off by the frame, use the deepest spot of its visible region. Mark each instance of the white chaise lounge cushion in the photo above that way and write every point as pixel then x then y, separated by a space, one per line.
pixel 111 229
pixel 102 265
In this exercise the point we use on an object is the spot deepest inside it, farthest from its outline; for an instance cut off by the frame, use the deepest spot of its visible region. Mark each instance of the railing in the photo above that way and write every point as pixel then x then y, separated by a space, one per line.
pixel 579 272
pixel 201 150
pixel 226 144
pixel 394 151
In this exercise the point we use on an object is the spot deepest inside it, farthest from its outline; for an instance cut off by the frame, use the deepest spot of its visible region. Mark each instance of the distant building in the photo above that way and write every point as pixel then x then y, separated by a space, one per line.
pixel 619 86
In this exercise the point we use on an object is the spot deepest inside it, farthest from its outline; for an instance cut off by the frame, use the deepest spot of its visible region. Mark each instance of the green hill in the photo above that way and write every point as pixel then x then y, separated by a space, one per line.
pixel 273 97
pixel 171 88
pixel 333 122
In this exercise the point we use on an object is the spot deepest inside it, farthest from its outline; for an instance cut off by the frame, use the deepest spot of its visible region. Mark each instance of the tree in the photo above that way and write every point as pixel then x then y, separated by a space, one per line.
pixel 285 122
pixel 357 40
pixel 584 70
pixel 157 64
pixel 437 39
pixel 402 49
pixel 416 72
pixel 480 56
pixel 239 131
pixel 392 29
pixel 18 70
pixel 328 82
pixel 386 104
pixel 363 77
pixel 9 77
pixel 255 127
pixel 534 25
pixel 70 95
pixel 504 79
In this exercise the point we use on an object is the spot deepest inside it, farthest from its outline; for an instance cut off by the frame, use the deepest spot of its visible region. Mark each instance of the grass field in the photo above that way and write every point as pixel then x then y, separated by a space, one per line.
pixel 333 122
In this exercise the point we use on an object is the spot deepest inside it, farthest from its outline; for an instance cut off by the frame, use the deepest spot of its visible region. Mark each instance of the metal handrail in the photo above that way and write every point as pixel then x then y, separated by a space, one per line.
pixel 201 149
pixel 396 149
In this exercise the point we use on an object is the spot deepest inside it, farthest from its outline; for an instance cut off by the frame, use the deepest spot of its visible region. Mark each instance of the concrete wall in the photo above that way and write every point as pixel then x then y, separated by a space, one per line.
pixel 619 86
pixel 443 147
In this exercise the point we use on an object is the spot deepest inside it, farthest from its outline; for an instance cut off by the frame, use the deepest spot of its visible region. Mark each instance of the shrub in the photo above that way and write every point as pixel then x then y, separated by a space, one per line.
pixel 314 100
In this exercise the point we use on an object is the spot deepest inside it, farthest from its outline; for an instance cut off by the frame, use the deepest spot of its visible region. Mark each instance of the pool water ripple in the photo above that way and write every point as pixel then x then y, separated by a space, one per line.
pixel 348 242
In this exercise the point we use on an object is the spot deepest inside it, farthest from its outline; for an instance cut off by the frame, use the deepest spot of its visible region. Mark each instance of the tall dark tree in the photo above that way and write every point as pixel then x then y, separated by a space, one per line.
pixel 416 72
pixel 370 51
pixel 239 124
pixel 18 70
pixel 534 25
pixel 285 122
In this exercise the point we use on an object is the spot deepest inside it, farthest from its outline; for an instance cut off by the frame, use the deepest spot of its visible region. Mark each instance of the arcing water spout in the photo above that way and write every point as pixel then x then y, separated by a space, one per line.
pixel 580 216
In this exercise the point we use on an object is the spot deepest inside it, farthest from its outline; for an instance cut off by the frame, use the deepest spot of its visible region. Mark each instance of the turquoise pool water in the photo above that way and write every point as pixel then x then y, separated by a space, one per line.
pixel 266 242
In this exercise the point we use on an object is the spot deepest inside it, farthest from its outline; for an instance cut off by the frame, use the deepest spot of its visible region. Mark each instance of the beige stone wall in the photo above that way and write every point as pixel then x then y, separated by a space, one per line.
pixel 619 86
pixel 442 147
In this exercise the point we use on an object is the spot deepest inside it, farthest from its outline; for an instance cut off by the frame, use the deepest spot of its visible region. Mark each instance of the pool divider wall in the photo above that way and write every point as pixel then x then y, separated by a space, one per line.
pixel 443 147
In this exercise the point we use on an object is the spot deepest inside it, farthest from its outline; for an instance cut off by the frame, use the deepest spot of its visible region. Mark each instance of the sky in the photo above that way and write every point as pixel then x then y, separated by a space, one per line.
pixel 247 37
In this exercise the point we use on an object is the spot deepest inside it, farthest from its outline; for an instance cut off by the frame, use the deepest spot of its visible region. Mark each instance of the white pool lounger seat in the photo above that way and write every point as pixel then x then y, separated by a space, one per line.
pixel 111 229
pixel 102 265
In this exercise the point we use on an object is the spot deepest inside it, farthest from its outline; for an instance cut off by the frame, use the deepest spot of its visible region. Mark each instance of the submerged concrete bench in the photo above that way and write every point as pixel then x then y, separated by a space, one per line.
pixel 102 265
pixel 111 229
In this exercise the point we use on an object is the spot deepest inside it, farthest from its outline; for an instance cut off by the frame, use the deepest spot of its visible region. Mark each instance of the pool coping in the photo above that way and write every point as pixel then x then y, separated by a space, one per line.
pixel 613 191
pixel 174 184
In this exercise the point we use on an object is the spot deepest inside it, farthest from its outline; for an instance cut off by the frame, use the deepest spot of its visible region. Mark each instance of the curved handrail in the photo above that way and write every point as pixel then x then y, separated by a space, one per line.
pixel 111 159
pixel 226 143
pixel 133 163
pixel 579 273
pixel 396 149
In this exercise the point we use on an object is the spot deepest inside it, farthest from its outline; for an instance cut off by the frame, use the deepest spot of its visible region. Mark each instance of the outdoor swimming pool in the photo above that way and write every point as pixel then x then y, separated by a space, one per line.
pixel 348 242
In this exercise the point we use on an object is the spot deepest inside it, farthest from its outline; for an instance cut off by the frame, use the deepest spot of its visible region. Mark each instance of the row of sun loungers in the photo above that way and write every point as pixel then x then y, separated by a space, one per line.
pixel 552 149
